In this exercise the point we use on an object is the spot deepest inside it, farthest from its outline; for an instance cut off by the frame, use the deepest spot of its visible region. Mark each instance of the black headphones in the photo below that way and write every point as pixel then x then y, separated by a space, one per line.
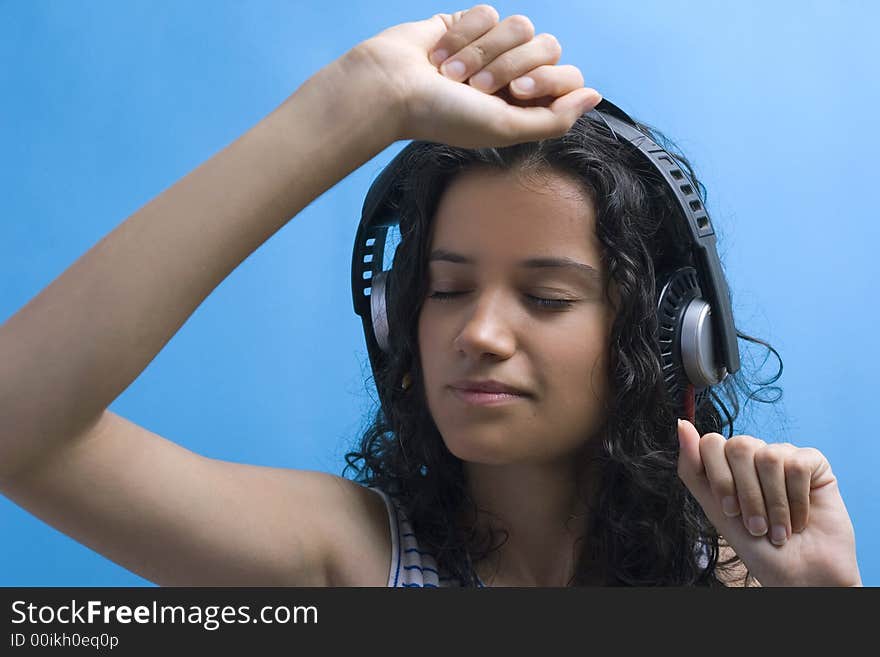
pixel 696 333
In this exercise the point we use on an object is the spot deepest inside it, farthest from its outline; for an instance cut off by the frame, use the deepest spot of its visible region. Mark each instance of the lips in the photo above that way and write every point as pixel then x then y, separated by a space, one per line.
pixel 488 399
pixel 488 385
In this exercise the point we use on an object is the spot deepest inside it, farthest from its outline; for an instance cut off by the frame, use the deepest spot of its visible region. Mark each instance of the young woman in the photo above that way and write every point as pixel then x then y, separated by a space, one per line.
pixel 582 469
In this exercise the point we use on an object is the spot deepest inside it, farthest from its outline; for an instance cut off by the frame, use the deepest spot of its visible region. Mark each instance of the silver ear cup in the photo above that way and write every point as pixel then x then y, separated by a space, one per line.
pixel 685 335
pixel 697 346
pixel 378 311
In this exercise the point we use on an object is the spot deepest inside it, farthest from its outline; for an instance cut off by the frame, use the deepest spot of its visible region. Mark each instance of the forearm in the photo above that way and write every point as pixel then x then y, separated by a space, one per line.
pixel 68 353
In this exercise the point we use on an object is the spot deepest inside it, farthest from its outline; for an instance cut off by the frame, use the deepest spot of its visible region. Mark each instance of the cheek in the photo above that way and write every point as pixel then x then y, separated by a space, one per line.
pixel 430 355
pixel 429 348
pixel 424 337
pixel 578 373
pixel 577 370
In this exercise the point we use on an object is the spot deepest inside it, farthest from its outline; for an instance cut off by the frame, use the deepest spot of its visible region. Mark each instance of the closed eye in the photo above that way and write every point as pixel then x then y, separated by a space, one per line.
pixel 539 301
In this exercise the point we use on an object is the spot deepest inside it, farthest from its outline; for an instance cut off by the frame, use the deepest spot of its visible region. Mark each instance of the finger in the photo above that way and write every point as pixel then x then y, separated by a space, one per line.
pixel 516 124
pixel 690 463
pixel 516 59
pixel 548 81
pixel 473 24
pixel 770 464
pixel 740 453
pixel 692 472
pixel 802 470
pixel 474 57
pixel 719 473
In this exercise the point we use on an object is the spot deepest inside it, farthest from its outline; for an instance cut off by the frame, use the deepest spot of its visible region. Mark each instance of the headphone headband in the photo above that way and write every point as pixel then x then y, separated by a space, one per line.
pixel 702 235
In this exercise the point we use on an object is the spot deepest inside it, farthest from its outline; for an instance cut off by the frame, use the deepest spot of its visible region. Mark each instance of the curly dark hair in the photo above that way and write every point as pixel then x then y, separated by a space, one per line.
pixel 643 527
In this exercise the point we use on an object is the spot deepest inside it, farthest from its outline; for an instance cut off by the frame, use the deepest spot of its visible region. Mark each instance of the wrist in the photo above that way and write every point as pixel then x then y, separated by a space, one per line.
pixel 337 120
pixel 346 104
pixel 371 89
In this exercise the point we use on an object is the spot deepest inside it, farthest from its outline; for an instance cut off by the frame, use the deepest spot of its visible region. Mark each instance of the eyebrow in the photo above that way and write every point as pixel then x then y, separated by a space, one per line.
pixel 530 263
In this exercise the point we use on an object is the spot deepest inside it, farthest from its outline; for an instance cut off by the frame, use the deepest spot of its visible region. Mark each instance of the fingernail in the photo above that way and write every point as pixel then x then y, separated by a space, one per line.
pixel 778 534
pixel 453 70
pixel 730 506
pixel 482 80
pixel 438 57
pixel 523 85
pixel 757 525
pixel 592 100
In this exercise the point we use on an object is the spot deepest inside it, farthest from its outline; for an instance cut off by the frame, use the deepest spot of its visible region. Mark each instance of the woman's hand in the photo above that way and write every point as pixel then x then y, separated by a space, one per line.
pixel 455 110
pixel 777 505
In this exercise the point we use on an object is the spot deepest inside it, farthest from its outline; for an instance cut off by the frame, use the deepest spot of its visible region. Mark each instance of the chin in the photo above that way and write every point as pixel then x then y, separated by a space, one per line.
pixel 476 449
pixel 487 449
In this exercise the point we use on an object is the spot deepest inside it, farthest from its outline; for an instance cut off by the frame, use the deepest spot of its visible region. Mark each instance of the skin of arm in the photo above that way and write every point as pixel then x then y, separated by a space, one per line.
pixel 69 352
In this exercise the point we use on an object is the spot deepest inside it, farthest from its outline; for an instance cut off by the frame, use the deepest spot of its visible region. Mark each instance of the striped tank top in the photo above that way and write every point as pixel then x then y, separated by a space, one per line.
pixel 411 566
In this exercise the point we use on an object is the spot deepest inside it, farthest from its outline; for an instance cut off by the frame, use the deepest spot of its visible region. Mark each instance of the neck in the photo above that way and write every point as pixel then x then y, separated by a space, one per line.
pixel 544 514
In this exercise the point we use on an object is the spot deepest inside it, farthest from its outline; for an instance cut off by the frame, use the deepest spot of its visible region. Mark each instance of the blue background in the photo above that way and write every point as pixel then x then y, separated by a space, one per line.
pixel 106 104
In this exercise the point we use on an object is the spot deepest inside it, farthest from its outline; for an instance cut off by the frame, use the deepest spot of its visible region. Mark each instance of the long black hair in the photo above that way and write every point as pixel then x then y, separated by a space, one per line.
pixel 643 526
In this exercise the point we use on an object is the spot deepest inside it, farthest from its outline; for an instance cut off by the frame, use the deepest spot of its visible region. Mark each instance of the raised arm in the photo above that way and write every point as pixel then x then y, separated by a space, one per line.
pixel 162 511
pixel 75 347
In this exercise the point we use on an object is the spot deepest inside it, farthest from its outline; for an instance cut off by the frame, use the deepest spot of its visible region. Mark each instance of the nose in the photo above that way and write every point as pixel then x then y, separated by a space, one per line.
pixel 486 330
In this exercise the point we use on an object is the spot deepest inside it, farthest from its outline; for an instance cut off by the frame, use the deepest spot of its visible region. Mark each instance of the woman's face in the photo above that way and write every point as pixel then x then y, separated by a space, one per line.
pixel 497 328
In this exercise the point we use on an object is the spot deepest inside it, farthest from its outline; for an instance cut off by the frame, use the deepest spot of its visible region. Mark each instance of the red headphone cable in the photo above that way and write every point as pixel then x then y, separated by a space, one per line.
pixel 689 404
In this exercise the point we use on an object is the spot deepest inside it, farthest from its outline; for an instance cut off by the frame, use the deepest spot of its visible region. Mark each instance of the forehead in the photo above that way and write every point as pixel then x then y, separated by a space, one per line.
pixel 505 215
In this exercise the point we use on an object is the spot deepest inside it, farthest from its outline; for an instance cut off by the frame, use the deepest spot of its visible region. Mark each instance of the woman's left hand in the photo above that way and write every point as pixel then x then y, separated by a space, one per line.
pixel 768 487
